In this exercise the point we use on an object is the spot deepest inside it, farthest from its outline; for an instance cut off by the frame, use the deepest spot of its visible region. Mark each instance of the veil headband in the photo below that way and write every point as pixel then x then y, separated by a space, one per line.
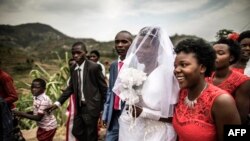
pixel 146 31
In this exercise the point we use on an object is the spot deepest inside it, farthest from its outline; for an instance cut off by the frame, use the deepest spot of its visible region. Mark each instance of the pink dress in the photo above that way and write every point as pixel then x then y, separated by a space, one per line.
pixel 71 112
pixel 196 124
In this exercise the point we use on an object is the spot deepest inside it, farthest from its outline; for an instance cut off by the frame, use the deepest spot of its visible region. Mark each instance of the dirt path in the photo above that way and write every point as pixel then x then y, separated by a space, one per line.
pixel 30 135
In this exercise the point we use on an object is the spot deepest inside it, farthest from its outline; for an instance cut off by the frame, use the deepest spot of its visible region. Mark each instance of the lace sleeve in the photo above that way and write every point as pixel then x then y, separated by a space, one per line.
pixel 150 114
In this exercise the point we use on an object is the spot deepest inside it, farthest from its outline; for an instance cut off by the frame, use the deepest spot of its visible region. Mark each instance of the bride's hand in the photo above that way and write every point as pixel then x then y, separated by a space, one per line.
pixel 136 111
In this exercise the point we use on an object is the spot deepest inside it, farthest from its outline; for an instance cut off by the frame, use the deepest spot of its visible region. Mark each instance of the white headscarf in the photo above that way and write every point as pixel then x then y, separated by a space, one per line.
pixel 150 50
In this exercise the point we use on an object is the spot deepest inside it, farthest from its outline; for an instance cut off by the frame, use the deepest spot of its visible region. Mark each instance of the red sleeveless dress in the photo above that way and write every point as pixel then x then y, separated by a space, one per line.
pixel 234 80
pixel 240 70
pixel 196 124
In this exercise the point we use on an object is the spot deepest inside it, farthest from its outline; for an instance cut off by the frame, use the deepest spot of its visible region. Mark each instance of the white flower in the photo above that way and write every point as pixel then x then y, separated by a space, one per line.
pixel 131 81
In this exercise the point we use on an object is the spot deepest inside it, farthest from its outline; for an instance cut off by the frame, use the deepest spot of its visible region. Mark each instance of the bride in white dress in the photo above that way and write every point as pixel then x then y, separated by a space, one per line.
pixel 150 118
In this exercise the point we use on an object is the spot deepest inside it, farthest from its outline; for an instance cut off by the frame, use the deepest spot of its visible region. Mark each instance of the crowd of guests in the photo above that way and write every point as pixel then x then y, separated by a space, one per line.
pixel 191 91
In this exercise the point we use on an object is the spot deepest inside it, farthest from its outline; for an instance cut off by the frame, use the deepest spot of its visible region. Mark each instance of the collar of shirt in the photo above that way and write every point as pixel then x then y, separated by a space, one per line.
pixel 81 77
pixel 119 59
pixel 39 96
pixel 81 66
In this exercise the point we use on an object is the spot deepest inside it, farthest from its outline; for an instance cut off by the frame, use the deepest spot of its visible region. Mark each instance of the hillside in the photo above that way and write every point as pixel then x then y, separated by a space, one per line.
pixel 35 35
pixel 24 44
pixel 28 35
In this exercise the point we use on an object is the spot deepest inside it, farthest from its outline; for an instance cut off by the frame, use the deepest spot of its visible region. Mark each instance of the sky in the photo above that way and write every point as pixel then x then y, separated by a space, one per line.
pixel 102 19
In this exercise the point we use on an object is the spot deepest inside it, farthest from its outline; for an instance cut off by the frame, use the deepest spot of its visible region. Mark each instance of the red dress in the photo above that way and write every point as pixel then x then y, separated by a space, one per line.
pixel 240 70
pixel 196 124
pixel 233 81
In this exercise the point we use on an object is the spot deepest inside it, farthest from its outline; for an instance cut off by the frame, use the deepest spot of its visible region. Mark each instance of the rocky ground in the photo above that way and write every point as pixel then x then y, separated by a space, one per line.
pixel 30 135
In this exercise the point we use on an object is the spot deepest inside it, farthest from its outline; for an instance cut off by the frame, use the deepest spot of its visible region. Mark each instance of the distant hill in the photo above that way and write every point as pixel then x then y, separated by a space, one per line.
pixel 26 43
pixel 28 35
pixel 37 42
pixel 37 35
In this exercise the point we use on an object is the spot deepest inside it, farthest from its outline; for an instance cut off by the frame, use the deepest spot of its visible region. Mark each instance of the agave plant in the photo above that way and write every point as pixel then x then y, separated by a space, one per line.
pixel 56 82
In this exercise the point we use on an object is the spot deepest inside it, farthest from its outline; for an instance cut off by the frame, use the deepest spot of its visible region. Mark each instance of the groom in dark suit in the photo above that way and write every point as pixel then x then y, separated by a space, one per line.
pixel 113 106
pixel 88 84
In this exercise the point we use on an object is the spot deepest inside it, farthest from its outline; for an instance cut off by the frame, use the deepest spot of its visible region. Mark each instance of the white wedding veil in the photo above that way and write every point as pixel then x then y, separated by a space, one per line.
pixel 150 50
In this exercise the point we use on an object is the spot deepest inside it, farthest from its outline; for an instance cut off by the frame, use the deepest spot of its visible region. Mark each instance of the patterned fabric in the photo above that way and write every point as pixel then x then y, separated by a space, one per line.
pixel 196 124
pixel 233 81
pixel 118 102
pixel 240 70
pixel 40 103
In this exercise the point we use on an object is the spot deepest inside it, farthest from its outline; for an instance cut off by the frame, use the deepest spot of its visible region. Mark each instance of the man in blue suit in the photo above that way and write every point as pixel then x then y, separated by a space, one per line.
pixel 113 105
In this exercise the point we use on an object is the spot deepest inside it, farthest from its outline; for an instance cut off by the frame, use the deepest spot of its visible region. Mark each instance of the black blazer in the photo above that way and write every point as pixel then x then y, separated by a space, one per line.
pixel 94 88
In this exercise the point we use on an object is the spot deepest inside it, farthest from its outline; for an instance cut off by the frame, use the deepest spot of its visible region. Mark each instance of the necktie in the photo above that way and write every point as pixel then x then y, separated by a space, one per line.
pixel 117 101
pixel 79 83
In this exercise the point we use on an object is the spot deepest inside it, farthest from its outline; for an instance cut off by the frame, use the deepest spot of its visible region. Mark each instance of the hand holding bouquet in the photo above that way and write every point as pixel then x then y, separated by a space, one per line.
pixel 131 82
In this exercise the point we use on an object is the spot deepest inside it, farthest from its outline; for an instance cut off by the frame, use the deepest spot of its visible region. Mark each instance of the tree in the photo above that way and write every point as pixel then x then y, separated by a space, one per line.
pixel 223 33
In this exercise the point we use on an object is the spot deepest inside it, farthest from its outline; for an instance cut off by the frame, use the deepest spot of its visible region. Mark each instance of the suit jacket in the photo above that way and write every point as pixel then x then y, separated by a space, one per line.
pixel 94 88
pixel 109 104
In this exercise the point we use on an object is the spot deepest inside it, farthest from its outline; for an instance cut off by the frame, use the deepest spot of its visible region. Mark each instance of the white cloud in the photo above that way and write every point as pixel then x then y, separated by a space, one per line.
pixel 102 19
pixel 170 7
pixel 233 16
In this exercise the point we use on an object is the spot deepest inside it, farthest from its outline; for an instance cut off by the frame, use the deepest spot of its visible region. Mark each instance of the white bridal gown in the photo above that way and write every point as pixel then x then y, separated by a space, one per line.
pixel 144 129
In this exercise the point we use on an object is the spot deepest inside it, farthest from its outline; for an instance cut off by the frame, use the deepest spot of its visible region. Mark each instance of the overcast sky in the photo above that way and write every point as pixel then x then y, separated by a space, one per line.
pixel 102 19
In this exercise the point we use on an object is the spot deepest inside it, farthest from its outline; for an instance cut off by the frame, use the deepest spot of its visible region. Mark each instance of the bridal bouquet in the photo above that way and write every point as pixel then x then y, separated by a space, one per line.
pixel 131 81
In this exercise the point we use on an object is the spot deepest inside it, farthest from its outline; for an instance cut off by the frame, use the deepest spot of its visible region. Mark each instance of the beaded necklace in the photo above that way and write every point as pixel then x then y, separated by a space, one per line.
pixel 191 103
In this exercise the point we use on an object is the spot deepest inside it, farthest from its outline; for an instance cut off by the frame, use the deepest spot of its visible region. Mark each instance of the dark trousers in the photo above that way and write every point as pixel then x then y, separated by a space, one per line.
pixel 85 126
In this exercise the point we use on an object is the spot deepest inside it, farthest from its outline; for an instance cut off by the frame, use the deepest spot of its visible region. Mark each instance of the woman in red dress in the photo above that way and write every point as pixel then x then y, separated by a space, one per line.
pixel 235 83
pixel 244 41
pixel 203 109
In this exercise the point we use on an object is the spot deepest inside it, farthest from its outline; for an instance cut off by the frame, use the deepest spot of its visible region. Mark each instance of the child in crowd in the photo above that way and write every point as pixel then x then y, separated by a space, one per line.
pixel 46 122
